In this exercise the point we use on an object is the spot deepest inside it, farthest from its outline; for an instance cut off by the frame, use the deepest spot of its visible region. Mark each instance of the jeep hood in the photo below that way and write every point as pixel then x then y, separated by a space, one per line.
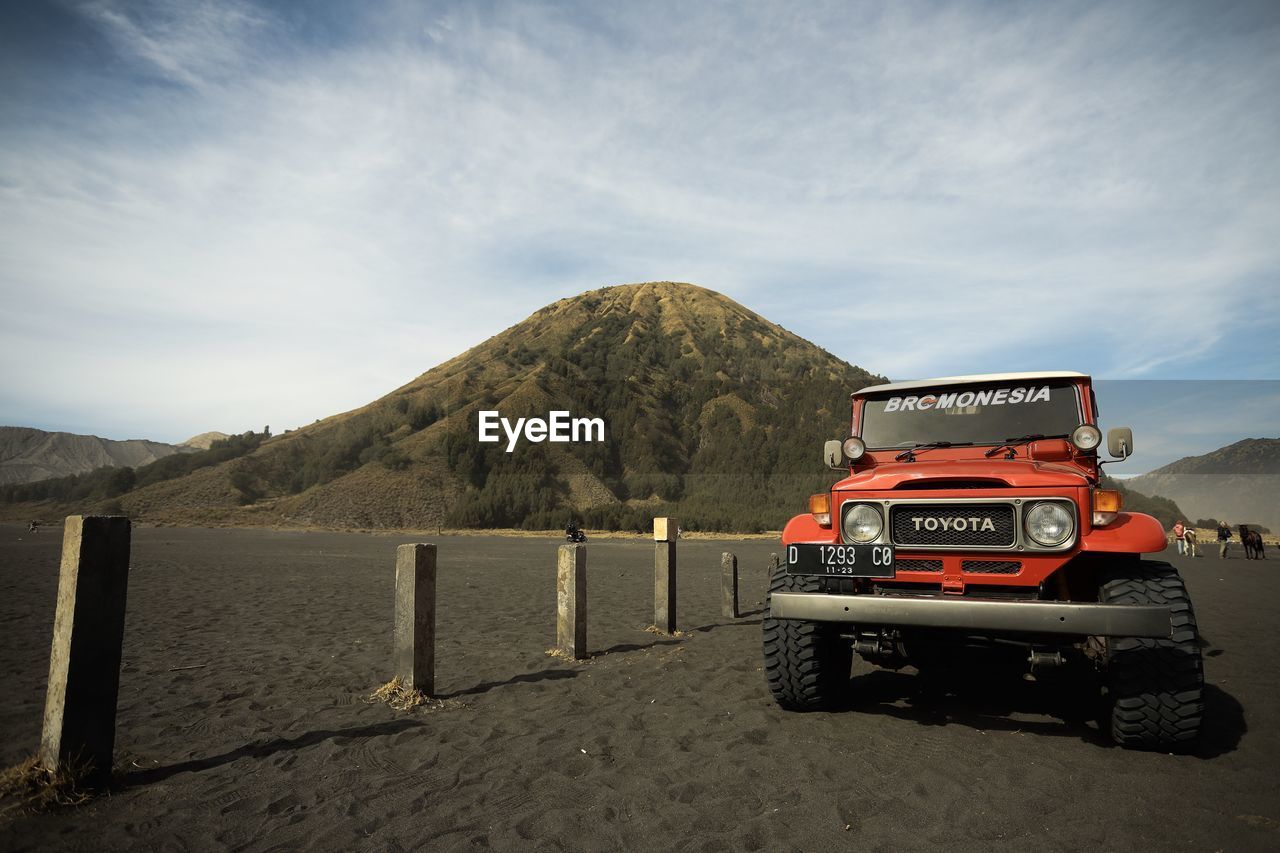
pixel 999 473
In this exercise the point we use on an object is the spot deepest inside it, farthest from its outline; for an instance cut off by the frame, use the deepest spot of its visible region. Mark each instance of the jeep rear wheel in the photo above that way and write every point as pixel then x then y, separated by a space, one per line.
pixel 1155 686
pixel 807 664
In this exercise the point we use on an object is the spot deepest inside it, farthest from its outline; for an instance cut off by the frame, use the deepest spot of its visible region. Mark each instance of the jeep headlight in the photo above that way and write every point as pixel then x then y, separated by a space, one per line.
pixel 854 448
pixel 1049 524
pixel 862 524
pixel 1086 437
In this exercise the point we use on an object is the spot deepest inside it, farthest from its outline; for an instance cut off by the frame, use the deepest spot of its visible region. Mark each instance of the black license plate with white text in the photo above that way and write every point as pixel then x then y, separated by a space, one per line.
pixel 852 561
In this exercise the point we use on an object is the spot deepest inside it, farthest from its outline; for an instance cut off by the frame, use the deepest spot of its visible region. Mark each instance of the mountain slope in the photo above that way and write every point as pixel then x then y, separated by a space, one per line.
pixel 711 411
pixel 1238 483
pixel 1163 509
pixel 28 455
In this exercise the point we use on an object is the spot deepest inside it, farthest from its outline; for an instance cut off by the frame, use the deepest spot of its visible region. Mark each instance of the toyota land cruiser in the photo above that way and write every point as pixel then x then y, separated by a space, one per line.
pixel 972 516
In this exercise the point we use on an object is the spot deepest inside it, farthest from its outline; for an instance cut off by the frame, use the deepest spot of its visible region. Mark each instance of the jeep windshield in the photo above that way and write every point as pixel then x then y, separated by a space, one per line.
pixel 974 414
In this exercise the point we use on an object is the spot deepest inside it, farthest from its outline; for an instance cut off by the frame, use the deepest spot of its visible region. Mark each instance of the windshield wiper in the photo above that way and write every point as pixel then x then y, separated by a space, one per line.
pixel 1011 443
pixel 910 453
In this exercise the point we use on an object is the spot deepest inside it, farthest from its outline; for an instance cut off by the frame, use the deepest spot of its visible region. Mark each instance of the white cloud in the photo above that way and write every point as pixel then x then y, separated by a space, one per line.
pixel 190 42
pixel 919 190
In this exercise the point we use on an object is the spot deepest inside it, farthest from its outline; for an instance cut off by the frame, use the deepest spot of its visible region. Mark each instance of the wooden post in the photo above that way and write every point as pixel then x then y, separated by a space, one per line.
pixel 729 585
pixel 415 625
pixel 665 531
pixel 571 600
pixel 88 635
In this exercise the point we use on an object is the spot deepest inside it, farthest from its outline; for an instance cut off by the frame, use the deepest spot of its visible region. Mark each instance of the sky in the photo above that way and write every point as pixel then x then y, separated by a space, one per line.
pixel 222 215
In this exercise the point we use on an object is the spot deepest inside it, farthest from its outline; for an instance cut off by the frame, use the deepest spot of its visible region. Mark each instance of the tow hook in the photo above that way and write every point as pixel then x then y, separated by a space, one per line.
pixel 881 648
pixel 1044 658
pixel 876 646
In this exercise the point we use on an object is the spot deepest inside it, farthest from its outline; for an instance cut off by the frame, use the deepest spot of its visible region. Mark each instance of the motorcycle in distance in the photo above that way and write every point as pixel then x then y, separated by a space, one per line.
pixel 573 533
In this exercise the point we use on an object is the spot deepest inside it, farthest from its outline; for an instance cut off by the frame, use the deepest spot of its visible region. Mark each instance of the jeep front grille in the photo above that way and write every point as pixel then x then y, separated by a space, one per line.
pixel 918 565
pixel 958 525
pixel 990 567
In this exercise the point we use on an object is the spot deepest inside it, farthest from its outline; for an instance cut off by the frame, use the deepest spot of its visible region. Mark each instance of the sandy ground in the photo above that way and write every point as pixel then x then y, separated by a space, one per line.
pixel 656 743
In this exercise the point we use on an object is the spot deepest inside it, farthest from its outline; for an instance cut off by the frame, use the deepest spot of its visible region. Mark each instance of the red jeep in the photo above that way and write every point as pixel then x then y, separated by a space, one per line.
pixel 971 518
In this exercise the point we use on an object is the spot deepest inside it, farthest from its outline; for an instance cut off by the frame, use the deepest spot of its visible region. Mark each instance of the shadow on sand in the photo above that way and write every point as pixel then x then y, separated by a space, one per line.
pixel 263 749
pixel 744 619
pixel 621 648
pixel 523 678
pixel 558 674
pixel 988 701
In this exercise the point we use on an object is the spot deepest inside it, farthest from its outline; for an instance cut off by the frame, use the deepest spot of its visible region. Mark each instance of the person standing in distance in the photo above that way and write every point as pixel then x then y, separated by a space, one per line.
pixel 1224 539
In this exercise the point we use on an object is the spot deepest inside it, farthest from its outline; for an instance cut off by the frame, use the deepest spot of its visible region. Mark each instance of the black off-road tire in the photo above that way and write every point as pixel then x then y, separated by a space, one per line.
pixel 1156 687
pixel 807 664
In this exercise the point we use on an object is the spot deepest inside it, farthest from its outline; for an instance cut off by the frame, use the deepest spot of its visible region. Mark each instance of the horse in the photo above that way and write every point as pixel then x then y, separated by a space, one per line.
pixel 1190 538
pixel 1252 541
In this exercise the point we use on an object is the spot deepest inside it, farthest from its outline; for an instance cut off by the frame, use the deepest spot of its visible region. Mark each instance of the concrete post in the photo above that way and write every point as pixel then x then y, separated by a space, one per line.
pixel 571 600
pixel 729 585
pixel 665 531
pixel 88 634
pixel 415 627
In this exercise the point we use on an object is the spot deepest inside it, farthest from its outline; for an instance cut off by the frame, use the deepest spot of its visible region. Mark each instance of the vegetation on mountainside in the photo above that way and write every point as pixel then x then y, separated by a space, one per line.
pixel 1238 481
pixel 712 414
pixel 28 455
pixel 723 443
pixel 106 483
pixel 1247 456
pixel 1213 522
pixel 1164 510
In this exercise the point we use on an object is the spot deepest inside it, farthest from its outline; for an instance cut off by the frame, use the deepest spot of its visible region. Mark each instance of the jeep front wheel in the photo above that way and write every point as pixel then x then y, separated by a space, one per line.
pixel 807 664
pixel 1155 685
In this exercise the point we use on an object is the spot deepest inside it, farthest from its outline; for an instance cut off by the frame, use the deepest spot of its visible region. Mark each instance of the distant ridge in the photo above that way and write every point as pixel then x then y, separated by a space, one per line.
pixel 28 455
pixel 205 440
pixel 1237 483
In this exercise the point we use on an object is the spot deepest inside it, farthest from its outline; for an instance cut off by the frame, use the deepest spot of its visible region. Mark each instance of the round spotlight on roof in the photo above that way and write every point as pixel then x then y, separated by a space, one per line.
pixel 854 448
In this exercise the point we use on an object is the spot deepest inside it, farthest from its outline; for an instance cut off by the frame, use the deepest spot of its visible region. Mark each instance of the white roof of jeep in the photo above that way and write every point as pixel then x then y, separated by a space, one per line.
pixel 968 380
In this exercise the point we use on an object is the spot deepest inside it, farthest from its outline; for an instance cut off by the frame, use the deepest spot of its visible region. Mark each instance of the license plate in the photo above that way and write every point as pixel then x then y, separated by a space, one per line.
pixel 854 561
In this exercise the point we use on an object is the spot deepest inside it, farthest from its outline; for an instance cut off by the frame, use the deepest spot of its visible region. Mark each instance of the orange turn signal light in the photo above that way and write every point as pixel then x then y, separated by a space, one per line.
pixel 820 507
pixel 1107 500
pixel 1106 506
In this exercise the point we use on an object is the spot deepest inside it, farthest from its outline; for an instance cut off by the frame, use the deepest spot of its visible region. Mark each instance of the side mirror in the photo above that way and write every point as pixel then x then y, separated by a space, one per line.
pixel 1120 442
pixel 833 455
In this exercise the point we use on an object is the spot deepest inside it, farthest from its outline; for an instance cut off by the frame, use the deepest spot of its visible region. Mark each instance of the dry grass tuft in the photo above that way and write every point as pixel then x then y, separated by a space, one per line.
pixel 567 656
pixel 654 629
pixel 403 698
pixel 29 788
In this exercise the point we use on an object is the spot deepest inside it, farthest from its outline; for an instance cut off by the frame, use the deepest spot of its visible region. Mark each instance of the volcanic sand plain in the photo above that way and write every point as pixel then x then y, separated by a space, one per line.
pixel 249 655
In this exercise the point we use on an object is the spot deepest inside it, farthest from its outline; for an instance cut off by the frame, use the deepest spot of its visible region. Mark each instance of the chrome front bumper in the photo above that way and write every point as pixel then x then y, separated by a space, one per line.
pixel 1032 617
